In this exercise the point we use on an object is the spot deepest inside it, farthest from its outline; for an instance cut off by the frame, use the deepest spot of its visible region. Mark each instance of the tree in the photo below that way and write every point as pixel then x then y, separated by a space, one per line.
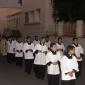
pixel 69 10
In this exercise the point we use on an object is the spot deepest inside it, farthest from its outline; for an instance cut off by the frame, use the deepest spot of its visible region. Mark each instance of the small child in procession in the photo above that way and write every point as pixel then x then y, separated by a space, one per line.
pixel 79 52
pixel 19 52
pixel 28 54
pixel 69 67
pixel 40 52
pixel 52 59
pixel 60 45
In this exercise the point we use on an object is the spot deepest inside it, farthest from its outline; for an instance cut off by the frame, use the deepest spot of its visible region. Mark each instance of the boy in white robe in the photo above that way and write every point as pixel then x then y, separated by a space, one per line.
pixel 69 67
pixel 79 52
pixel 10 50
pixel 36 41
pixel 52 60
pixel 19 52
pixel 28 54
pixel 60 45
pixel 40 51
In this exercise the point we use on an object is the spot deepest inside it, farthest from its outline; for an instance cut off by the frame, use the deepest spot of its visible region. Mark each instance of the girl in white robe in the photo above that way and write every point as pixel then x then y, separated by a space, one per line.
pixel 69 67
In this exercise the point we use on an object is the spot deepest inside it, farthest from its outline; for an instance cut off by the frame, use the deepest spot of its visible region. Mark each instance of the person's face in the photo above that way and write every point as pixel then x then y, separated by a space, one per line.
pixel 47 38
pixel 72 51
pixel 60 40
pixel 19 39
pixel 36 38
pixel 13 38
pixel 54 48
pixel 28 40
pixel 43 40
pixel 75 41
pixel 10 39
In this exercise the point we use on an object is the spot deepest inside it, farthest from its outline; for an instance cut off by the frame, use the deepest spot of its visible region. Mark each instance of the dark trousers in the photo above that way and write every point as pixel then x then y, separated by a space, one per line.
pixel 19 61
pixel 78 74
pixel 13 58
pixel 40 71
pixel 70 82
pixel 53 79
pixel 28 65
pixel 10 57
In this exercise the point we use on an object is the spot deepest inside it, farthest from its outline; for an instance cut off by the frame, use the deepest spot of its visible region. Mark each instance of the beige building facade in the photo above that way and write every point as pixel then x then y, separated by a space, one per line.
pixel 14 20
pixel 36 19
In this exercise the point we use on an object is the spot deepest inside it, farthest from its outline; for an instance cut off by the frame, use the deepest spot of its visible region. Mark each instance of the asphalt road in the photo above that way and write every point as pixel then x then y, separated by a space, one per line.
pixel 10 74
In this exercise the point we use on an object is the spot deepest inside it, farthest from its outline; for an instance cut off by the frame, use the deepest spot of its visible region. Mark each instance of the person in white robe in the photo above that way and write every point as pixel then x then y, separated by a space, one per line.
pixel 10 50
pixel 36 41
pixel 79 52
pixel 40 51
pixel 19 52
pixel 60 45
pixel 53 58
pixel 47 42
pixel 69 67
pixel 28 55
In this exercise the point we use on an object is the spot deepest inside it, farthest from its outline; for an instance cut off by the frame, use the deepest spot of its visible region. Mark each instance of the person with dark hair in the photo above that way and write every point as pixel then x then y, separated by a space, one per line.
pixel 28 55
pixel 47 41
pixel 36 40
pixel 79 54
pixel 60 45
pixel 69 67
pixel 52 60
pixel 14 42
pixel 10 50
pixel 19 52
pixel 40 51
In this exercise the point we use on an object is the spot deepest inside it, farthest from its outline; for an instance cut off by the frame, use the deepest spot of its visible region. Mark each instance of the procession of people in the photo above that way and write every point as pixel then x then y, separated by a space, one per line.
pixel 45 57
